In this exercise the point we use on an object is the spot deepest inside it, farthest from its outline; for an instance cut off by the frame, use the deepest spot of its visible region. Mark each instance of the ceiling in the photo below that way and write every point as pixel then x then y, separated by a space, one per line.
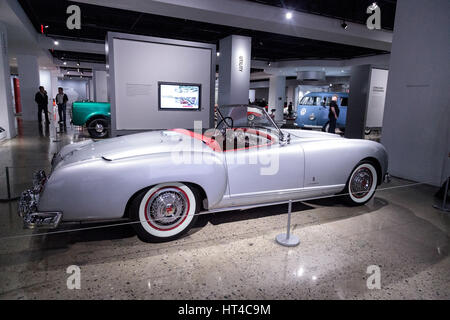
pixel 348 10
pixel 78 56
pixel 97 21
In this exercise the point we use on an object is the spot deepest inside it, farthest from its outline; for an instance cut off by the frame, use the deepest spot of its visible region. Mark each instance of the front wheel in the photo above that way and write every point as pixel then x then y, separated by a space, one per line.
pixel 164 212
pixel 98 128
pixel 362 184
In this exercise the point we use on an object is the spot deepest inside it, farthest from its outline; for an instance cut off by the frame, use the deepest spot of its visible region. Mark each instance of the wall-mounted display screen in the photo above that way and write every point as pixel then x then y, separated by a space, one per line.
pixel 179 96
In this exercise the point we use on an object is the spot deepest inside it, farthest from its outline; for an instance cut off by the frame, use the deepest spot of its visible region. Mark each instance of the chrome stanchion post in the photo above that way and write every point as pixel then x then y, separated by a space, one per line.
pixel 286 239
pixel 56 137
pixel 8 187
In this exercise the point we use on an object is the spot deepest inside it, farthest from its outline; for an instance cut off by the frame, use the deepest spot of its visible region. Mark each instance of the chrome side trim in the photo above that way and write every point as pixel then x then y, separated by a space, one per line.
pixel 265 198
pixel 287 191
pixel 260 205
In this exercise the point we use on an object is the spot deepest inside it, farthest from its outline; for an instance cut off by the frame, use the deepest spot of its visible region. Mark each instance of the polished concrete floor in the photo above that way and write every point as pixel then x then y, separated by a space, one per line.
pixel 231 255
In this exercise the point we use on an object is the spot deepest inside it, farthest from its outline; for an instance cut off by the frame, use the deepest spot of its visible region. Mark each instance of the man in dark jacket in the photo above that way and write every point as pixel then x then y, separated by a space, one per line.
pixel 61 100
pixel 41 99
pixel 333 115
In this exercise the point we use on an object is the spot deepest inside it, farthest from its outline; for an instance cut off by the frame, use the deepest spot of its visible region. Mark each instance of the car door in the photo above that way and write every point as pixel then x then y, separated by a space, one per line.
pixel 324 111
pixel 343 103
pixel 264 174
pixel 306 113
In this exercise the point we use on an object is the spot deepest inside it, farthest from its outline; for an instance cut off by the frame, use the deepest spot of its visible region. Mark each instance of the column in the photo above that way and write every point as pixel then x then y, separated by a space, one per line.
pixel 357 102
pixel 277 95
pixel 234 70
pixel 290 94
pixel 100 86
pixel 29 85
pixel 6 102
pixel 416 115
pixel 54 80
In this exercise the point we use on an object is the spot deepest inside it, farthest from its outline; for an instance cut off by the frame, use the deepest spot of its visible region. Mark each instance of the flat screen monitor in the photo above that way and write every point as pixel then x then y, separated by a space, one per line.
pixel 179 96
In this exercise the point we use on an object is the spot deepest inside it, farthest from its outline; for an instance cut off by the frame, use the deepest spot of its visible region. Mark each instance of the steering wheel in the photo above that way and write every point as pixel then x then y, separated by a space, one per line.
pixel 223 120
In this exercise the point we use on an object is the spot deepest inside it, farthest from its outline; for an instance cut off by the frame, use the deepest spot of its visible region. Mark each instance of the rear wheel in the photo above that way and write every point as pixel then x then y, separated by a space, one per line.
pixel 165 211
pixel 98 128
pixel 362 184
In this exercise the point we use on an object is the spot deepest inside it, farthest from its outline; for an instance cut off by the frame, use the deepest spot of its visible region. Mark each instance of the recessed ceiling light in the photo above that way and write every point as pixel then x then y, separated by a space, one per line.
pixel 218 53
pixel 65 63
pixel 289 15
pixel 56 43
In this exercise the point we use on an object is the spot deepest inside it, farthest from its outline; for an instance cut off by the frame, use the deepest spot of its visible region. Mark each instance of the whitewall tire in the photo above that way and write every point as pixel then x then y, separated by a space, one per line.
pixel 164 212
pixel 362 184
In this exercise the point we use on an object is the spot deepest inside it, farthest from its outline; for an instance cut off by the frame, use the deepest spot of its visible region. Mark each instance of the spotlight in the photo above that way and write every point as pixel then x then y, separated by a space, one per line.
pixel 218 53
pixel 78 64
pixel 65 63
pixel 289 15
pixel 56 43
pixel 344 25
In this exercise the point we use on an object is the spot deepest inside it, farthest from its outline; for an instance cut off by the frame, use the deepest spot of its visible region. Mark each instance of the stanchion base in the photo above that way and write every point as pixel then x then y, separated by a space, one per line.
pixel 291 242
pixel 441 208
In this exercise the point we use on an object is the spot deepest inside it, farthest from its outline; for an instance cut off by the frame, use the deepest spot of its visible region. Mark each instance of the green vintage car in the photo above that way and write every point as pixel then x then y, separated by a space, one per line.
pixel 96 116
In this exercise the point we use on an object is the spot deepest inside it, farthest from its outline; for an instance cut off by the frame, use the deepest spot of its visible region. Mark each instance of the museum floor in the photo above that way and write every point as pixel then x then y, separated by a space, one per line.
pixel 230 255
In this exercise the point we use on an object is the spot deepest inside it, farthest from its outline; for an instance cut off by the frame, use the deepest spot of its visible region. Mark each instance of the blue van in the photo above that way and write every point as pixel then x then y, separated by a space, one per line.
pixel 312 112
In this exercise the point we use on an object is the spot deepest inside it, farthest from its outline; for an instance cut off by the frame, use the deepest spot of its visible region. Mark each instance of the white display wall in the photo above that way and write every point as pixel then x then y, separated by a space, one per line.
pixel 137 64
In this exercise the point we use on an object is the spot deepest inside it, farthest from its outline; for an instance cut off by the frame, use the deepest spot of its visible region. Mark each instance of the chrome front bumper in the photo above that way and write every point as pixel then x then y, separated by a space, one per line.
pixel 28 207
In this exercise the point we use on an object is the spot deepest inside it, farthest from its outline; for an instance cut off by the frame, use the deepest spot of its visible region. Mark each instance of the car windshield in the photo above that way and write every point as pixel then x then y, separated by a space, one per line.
pixel 245 116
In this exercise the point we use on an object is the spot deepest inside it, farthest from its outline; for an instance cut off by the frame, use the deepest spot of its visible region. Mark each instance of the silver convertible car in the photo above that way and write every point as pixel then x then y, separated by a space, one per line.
pixel 162 180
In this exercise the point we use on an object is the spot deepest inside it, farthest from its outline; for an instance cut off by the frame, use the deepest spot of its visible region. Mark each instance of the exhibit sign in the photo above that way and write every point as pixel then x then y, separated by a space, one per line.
pixel 179 96
pixel 377 97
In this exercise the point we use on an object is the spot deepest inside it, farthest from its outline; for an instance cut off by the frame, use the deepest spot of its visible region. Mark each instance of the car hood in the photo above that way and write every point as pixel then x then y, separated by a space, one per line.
pixel 133 145
pixel 307 135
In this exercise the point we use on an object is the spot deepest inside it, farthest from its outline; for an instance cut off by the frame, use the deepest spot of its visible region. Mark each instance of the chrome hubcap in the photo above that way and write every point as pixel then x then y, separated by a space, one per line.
pixel 99 127
pixel 361 182
pixel 167 207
